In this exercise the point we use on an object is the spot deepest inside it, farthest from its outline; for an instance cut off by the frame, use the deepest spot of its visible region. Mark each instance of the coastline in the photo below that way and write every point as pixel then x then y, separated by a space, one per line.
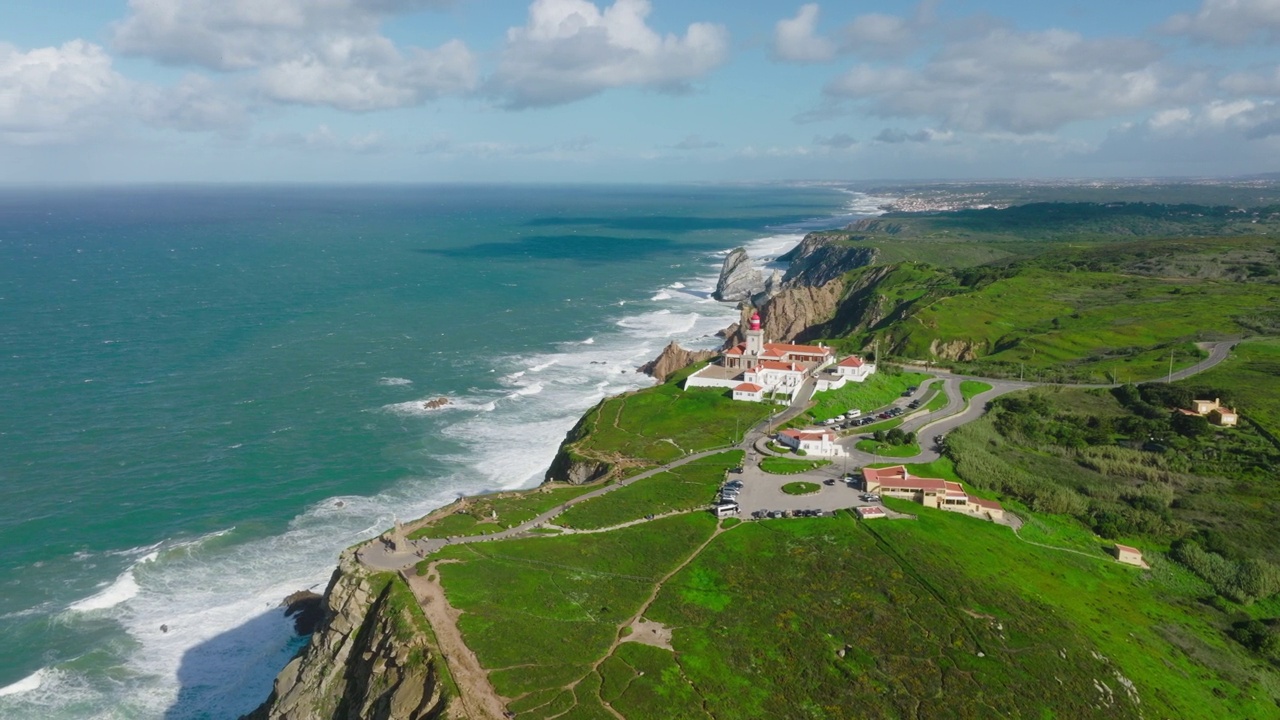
pixel 523 381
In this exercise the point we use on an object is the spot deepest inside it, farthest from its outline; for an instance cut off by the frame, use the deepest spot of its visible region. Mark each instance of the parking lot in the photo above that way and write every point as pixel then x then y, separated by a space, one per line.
pixel 762 491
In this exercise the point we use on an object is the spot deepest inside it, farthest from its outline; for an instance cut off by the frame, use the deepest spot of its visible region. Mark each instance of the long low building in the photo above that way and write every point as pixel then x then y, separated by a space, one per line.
pixel 932 492
pixel 821 442
pixel 774 368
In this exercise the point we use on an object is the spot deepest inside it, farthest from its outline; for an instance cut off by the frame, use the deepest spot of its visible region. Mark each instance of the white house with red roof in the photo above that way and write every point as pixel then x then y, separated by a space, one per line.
pixel 749 392
pixel 933 492
pixel 852 368
pixel 815 441
pixel 777 368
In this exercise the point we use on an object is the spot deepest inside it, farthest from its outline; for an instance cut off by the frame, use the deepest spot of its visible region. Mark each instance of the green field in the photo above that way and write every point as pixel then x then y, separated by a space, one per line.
pixel 682 488
pixel 1252 375
pixel 911 623
pixel 880 389
pixel 790 466
pixel 541 613
pixel 663 423
pixel 476 516
pixel 1098 325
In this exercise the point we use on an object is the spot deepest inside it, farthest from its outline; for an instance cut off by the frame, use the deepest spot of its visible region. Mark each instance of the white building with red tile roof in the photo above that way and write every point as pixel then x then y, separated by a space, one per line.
pixel 854 368
pixel 933 492
pixel 750 392
pixel 819 442
pixel 779 368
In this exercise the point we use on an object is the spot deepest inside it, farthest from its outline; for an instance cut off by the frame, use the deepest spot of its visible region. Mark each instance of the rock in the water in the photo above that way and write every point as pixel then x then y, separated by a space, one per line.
pixel 739 280
pixel 436 403
pixel 307 610
pixel 673 358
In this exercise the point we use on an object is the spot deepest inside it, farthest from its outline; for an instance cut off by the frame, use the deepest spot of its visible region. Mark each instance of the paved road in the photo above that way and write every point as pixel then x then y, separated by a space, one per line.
pixel 761 489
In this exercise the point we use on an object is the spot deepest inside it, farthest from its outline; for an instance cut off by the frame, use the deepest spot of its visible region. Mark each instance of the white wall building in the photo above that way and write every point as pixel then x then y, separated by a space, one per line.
pixel 813 442
pixel 855 368
pixel 748 392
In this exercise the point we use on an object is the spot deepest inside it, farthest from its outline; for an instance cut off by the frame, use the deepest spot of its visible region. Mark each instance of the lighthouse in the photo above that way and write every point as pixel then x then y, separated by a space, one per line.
pixel 755 340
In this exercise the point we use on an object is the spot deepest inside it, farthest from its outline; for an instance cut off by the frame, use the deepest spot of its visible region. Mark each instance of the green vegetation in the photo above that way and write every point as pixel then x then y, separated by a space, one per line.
pixel 790 466
pixel 540 613
pixel 938 399
pixel 409 624
pixel 476 515
pixel 1250 379
pixel 686 487
pixel 879 389
pixel 663 423
pixel 969 388
pixel 1082 311
pixel 887 449
pixel 801 488
pixel 874 617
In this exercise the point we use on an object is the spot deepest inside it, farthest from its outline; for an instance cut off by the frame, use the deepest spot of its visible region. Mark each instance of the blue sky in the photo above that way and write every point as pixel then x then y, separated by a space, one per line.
pixel 635 90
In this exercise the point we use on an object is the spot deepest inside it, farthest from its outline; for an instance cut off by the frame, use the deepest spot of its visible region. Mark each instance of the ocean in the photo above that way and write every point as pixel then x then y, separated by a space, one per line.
pixel 209 392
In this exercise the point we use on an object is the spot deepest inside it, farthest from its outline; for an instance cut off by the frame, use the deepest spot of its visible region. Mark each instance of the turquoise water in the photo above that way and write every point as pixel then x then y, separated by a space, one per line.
pixel 209 392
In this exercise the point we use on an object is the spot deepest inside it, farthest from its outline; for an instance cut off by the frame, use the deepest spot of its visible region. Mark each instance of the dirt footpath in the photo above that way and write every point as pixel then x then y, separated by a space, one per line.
pixel 478 701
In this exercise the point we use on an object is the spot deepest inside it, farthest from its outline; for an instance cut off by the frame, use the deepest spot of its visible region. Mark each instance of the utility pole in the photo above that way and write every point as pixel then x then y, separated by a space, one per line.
pixel 1170 367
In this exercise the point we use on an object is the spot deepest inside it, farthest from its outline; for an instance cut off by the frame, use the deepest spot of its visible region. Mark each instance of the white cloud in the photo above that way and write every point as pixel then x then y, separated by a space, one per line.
pixel 58 94
pixel 570 49
pixel 311 52
pixel 794 39
pixel 1229 22
pixel 194 104
pixel 1018 82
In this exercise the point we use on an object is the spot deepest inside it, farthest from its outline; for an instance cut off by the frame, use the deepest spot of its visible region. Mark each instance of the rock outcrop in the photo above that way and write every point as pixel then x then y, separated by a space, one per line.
pixel 819 259
pixel 673 358
pixel 962 350
pixel 368 660
pixel 571 467
pixel 739 279
pixel 792 313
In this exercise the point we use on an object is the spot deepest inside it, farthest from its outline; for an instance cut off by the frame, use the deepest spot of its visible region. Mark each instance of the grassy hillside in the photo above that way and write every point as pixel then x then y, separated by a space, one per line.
pixel 1101 313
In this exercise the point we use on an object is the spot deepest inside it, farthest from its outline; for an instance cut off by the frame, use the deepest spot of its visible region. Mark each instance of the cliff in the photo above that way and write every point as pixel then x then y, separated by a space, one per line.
pixel 673 358
pixel 821 258
pixel 370 658
pixel 739 279
pixel 568 466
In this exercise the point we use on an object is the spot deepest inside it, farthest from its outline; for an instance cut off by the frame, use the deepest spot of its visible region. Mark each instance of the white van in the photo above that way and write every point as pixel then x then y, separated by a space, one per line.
pixel 854 413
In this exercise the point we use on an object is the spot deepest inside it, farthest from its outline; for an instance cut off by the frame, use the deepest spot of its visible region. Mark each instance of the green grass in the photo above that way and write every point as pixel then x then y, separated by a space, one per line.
pixel 878 390
pixel 938 400
pixel 969 388
pixel 801 488
pixel 683 488
pixel 1093 325
pixel 790 466
pixel 512 508
pixel 539 612
pixel 663 423
pixel 1251 373
pixel 912 619
pixel 887 450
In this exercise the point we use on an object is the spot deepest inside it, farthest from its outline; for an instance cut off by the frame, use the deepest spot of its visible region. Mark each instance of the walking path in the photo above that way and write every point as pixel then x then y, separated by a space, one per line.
pixel 480 699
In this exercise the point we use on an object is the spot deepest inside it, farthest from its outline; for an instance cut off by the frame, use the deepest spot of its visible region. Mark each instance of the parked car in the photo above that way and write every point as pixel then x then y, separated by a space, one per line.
pixel 913 404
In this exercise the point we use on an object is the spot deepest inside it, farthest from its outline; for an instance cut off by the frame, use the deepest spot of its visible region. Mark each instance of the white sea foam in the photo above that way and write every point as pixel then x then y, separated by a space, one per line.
pixel 226 638
pixel 419 408
pixel 393 381
pixel 123 589
pixel 660 296
pixel 28 683
pixel 588 341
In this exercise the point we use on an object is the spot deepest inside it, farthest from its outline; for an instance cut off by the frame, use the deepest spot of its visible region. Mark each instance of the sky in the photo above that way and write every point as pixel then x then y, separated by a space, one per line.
pixel 106 91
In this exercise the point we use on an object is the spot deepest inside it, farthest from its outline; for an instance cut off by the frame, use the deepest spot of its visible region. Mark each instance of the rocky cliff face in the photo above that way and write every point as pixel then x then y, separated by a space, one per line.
pixel 369 659
pixel 819 259
pixel 571 467
pixel 673 358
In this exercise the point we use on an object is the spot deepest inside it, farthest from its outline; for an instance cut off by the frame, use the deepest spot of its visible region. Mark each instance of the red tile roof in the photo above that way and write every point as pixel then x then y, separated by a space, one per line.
pixel 775 365
pixel 1126 548
pixel 748 387
pixel 809 435
pixel 851 361
pixel 983 503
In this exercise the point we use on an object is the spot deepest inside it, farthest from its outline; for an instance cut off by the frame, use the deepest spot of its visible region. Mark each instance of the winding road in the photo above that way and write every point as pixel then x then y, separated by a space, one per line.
pixel 379 555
